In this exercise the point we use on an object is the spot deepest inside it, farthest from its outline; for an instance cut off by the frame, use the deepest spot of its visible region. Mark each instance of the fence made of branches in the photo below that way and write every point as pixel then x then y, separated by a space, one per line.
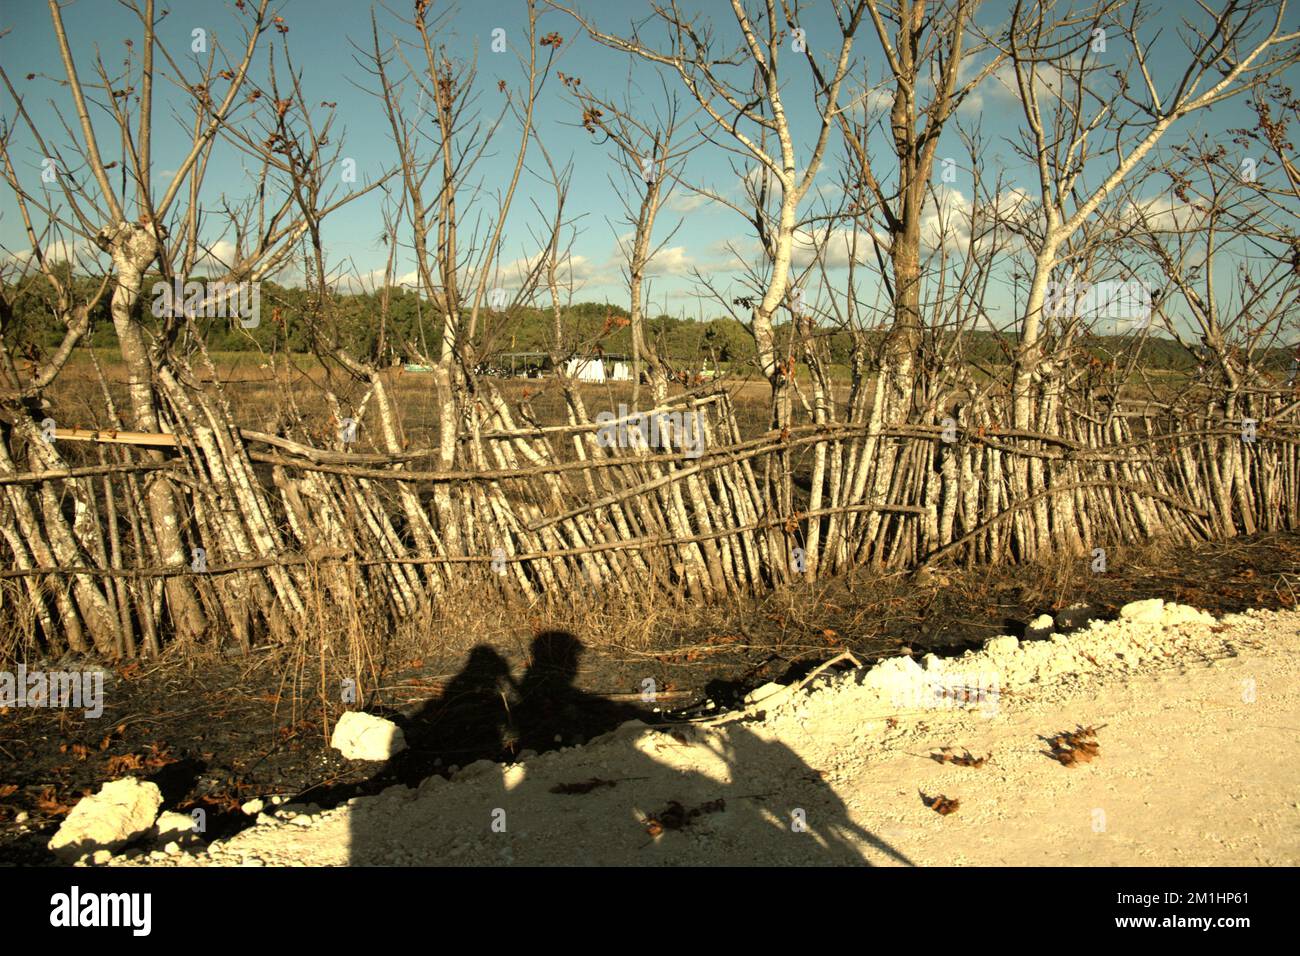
pixel 684 509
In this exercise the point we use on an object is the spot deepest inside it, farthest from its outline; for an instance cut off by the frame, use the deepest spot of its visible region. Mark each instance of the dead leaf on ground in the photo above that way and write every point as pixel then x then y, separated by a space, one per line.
pixel 48 804
pixel 724 639
pixel 1076 746
pixel 158 757
pixel 963 759
pixel 940 804
pixel 217 802
pixel 675 816
pixel 124 763
pixel 80 751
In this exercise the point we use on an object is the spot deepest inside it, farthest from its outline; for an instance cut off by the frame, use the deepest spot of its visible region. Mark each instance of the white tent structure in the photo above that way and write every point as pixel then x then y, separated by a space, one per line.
pixel 585 370
pixel 621 373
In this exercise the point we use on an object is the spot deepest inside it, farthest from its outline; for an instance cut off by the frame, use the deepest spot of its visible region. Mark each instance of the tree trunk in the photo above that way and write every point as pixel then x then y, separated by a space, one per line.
pixel 134 249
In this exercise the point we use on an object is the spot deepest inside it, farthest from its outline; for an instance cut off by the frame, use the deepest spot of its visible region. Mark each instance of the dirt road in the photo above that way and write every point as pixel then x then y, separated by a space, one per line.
pixel 1197 731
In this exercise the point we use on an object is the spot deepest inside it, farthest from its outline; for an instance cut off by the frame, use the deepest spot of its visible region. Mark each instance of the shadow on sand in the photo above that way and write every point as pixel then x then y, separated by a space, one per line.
pixel 680 794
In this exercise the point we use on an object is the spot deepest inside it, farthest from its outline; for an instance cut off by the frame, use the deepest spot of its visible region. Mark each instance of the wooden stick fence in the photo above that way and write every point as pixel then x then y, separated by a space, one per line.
pixel 541 511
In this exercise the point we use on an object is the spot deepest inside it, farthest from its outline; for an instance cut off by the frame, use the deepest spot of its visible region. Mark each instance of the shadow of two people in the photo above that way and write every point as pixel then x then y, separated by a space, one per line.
pixel 484 714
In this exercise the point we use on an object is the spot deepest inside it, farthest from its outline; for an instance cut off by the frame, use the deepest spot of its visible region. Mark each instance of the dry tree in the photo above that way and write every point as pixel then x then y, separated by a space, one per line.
pixel 141 230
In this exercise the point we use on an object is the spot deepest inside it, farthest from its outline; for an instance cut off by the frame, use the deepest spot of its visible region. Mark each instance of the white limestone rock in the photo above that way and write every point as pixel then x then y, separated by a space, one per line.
pixel 108 820
pixel 1150 611
pixel 361 736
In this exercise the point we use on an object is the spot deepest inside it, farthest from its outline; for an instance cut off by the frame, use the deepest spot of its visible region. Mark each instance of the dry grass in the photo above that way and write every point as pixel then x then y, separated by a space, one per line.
pixel 719 650
pixel 739 642
pixel 267 393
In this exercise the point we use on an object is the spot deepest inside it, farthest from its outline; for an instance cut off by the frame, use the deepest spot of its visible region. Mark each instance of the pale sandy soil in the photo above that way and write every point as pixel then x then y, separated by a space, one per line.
pixel 1199 764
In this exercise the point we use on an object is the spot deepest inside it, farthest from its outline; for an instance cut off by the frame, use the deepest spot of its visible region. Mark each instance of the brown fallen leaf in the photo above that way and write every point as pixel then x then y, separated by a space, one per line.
pixel 1076 746
pixel 964 759
pixel 941 805
pixel 672 817
pixel 47 803
pixel 124 763
pixel 1072 758
pixel 675 816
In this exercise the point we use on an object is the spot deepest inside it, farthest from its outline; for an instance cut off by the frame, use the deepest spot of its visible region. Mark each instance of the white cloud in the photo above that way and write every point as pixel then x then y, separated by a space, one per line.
pixel 672 261
pixel 1161 213
pixel 881 99
pixel 946 219
pixel 217 259
pixel 571 271
pixel 685 202
pixel 836 247
pixel 753 180
pixel 79 252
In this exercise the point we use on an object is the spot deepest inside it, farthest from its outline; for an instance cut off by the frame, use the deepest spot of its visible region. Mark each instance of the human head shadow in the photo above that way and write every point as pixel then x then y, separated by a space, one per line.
pixel 465 723
pixel 775 808
pixel 551 711
pixel 483 713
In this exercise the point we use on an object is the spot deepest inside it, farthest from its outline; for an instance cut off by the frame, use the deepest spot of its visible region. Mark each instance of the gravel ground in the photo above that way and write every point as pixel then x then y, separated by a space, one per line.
pixel 1187 757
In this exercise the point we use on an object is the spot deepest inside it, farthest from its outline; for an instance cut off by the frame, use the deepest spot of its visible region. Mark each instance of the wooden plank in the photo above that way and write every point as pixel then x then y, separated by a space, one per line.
pixel 114 437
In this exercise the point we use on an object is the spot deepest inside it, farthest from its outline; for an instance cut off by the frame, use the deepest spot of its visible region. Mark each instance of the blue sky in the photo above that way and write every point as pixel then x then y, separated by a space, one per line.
pixel 321 39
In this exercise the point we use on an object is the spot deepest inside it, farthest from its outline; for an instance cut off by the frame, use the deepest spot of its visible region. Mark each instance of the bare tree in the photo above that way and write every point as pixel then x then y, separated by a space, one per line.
pixel 139 230
pixel 650 157
pixel 741 94
pixel 1071 117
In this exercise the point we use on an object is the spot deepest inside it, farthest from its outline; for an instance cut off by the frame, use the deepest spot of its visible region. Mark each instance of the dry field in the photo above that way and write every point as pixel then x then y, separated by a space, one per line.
pixel 269 392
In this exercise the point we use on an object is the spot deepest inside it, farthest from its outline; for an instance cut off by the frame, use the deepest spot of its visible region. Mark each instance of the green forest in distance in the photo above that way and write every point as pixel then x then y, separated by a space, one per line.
pixel 414 326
